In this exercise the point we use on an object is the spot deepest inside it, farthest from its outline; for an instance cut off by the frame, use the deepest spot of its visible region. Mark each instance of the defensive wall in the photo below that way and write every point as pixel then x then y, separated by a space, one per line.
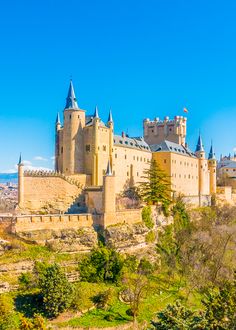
pixel 50 191
pixel 56 221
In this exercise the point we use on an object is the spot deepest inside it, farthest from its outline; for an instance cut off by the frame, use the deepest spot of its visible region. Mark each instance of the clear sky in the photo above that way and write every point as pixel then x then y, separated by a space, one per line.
pixel 142 58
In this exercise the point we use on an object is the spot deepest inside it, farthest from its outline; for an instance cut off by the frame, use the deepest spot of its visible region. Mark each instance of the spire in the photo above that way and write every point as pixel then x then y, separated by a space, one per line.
pixel 109 171
pixel 199 146
pixel 20 160
pixel 96 113
pixel 212 152
pixel 58 119
pixel 110 119
pixel 71 102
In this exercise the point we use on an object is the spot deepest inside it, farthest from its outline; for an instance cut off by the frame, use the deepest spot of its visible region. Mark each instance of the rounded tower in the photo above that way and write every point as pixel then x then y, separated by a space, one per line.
pixel 200 153
pixel 212 169
pixel 73 145
pixel 96 121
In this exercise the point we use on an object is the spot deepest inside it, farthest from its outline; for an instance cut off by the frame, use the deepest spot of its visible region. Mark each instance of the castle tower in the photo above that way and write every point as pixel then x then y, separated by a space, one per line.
pixel 200 153
pixel 157 131
pixel 110 124
pixel 73 146
pixel 109 197
pixel 20 183
pixel 96 121
pixel 57 143
pixel 212 169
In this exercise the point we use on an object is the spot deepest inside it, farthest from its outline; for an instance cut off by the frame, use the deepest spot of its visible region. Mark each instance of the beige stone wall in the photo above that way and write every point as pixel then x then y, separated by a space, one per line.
pixel 93 200
pixel 157 131
pixel 48 192
pixel 129 165
pixel 57 221
pixel 130 216
pixel 182 170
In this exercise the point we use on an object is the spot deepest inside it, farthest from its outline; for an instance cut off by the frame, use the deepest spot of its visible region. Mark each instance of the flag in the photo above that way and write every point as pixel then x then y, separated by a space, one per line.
pixel 185 110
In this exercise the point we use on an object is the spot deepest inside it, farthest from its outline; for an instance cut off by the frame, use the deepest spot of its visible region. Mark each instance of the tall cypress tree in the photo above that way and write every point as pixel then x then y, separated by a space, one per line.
pixel 157 187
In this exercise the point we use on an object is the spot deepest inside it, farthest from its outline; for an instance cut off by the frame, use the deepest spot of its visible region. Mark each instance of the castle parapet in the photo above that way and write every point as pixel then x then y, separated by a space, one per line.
pixel 157 130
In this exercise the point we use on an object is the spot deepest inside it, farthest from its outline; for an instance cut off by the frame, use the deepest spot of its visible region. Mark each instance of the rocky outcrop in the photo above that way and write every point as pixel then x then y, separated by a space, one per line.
pixel 64 240
pixel 123 236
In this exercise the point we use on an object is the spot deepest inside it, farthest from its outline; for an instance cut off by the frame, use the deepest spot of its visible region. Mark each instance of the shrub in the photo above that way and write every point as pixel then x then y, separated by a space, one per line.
pixel 147 217
pixel 102 265
pixel 150 237
pixel 56 290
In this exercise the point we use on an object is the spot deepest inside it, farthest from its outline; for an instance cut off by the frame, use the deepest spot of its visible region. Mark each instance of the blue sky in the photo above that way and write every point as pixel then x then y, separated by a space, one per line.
pixel 142 58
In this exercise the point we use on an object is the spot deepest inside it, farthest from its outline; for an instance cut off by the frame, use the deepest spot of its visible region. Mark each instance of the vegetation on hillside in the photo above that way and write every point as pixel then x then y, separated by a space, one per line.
pixel 186 282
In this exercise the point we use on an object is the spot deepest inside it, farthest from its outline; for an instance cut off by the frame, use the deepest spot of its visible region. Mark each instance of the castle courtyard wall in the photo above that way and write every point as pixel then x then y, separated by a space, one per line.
pixel 50 193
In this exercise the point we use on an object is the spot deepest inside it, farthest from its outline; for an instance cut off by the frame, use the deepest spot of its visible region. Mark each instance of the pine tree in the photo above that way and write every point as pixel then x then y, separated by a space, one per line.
pixel 156 188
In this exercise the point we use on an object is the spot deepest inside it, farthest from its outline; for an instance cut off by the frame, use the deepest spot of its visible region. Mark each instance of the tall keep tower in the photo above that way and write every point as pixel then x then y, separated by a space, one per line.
pixel 157 131
pixel 73 146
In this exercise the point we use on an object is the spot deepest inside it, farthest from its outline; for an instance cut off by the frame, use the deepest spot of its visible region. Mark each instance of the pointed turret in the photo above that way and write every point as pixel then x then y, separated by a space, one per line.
pixel 71 102
pixel 212 152
pixel 96 113
pixel 20 160
pixel 58 122
pixel 110 119
pixel 199 147
pixel 109 170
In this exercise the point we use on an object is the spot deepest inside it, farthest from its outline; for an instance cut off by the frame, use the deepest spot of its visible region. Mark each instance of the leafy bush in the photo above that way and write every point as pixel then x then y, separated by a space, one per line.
pixel 102 265
pixel 8 316
pixel 56 290
pixel 147 217
pixel 150 237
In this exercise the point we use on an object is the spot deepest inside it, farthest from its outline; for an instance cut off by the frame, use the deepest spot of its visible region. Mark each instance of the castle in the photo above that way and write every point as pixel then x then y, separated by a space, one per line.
pixel 91 158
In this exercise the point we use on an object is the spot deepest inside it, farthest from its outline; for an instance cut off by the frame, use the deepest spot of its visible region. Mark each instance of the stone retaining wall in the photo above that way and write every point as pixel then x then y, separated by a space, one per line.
pixel 55 221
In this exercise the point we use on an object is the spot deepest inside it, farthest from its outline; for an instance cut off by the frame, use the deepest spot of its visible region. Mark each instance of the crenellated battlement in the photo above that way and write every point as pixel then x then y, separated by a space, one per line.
pixel 174 130
pixel 43 173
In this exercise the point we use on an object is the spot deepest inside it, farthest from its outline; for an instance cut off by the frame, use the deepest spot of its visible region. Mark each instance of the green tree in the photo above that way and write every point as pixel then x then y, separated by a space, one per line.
pixel 57 292
pixel 156 187
pixel 102 265
pixel 178 317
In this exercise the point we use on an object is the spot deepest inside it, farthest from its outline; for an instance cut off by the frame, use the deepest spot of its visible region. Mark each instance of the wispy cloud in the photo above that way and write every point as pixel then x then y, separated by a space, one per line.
pixel 53 157
pixel 27 162
pixel 40 158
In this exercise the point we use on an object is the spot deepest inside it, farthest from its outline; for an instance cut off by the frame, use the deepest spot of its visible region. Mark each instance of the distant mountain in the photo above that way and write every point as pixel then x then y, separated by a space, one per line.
pixel 8 177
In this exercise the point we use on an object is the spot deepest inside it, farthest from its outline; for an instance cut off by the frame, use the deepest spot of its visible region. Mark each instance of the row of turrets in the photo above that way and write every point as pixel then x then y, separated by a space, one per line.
pixel 204 164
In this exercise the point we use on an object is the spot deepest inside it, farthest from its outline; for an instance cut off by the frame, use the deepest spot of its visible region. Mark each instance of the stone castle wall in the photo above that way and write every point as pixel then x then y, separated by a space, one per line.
pixel 51 193
pixel 56 221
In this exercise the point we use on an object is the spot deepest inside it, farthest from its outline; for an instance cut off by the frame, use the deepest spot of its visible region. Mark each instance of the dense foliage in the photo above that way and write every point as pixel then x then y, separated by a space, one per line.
pixel 102 265
pixel 156 187
pixel 56 290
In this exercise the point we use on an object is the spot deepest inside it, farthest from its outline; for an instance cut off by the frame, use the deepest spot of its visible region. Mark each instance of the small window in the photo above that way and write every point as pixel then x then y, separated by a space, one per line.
pixel 114 173
pixel 134 157
pixel 127 173
pixel 78 116
pixel 87 147
pixel 137 174
pixel 61 150
pixel 70 116
pixel 103 172
pixel 104 148
pixel 165 161
pixel 115 155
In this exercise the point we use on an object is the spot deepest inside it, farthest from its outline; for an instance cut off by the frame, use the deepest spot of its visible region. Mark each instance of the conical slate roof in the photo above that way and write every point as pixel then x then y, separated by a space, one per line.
pixel 96 113
pixel 109 171
pixel 199 146
pixel 110 119
pixel 212 153
pixel 71 102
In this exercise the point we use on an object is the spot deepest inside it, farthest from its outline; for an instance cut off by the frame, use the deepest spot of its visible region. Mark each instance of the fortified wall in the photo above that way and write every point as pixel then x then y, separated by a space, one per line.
pixel 48 192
